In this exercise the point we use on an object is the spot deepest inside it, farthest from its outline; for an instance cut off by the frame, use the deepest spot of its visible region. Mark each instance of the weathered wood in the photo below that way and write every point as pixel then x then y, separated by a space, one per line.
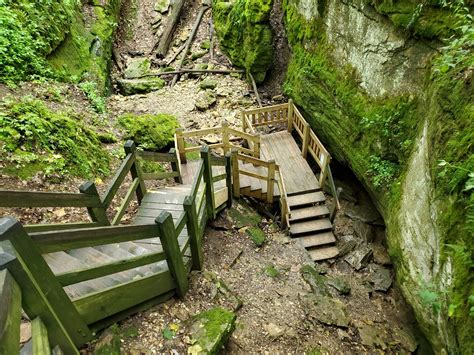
pixel 235 174
pixel 35 228
pixel 39 337
pixel 180 223
pixel 270 180
pixel 225 137
pixel 174 258
pixel 10 313
pixel 176 166
pixel 290 115
pixel 193 230
pixel 47 199
pixel 253 175
pixel 220 197
pixel 201 12
pixel 219 177
pixel 125 202
pixel 168 30
pixel 42 295
pixel 97 214
pixel 335 205
pixel 75 276
pixel 198 178
pixel 118 179
pixel 157 157
pixel 160 176
pixel 197 148
pixel 228 171
pixel 49 242
pixel 98 306
pixel 196 71
pixel 304 145
pixel 180 145
pixel 202 132
pixel 206 157
pixel 175 55
pixel 130 148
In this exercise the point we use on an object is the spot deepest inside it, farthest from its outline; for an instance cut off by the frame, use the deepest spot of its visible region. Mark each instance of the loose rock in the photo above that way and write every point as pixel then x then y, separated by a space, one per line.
pixel 359 258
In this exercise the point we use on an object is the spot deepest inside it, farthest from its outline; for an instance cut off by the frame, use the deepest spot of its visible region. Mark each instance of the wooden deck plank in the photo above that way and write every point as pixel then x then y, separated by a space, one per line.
pixel 296 171
pixel 311 198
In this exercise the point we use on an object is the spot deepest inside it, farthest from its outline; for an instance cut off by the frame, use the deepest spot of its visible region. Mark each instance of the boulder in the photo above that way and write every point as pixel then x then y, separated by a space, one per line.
pixel 327 310
pixel 140 86
pixel 364 231
pixel 137 67
pixel 208 84
pixel 340 284
pixel 205 100
pixel 210 330
pixel 359 258
pixel 380 277
pixel 162 6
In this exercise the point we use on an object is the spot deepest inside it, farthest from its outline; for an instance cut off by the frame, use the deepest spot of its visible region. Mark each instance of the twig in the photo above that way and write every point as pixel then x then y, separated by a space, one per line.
pixel 171 60
pixel 255 89
pixel 190 41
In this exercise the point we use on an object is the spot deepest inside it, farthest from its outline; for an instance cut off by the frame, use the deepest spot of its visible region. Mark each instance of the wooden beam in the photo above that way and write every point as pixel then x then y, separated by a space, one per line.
pixel 39 337
pixel 235 173
pixel 97 214
pixel 228 171
pixel 10 314
pixel 270 180
pixel 206 157
pixel 193 231
pixel 125 202
pixel 290 115
pixel 47 199
pixel 176 166
pixel 170 245
pixel 130 148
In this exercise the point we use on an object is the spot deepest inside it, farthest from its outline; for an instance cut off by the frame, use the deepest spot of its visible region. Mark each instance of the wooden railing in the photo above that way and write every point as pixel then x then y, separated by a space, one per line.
pixel 225 134
pixel 89 196
pixel 289 115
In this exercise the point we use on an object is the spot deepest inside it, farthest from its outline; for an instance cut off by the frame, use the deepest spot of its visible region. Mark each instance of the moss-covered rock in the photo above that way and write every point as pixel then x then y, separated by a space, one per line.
pixel 394 142
pixel 137 67
pixel 152 132
pixel 256 235
pixel 140 86
pixel 210 330
pixel 243 29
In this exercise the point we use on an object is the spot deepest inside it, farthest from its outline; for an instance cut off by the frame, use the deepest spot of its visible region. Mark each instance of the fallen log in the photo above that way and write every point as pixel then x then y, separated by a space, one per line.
pixel 203 71
pixel 168 30
pixel 190 41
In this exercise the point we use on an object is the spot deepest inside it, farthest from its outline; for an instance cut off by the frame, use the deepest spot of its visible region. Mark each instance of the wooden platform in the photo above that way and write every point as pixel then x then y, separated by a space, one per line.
pixel 282 148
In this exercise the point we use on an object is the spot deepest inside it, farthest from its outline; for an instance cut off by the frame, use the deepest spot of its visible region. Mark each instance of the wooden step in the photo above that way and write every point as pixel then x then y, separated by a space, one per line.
pixel 315 240
pixel 312 226
pixel 324 253
pixel 311 212
pixel 312 198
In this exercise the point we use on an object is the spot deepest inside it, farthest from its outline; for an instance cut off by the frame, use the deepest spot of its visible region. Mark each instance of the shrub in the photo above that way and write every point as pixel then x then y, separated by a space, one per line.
pixel 33 136
pixel 152 132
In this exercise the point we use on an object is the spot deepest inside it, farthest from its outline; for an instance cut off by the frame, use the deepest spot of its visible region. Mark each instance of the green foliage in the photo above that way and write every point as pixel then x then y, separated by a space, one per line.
pixel 168 334
pixel 244 33
pixel 96 100
pixel 30 133
pixel 151 132
pixel 257 235
pixel 382 171
pixel 271 271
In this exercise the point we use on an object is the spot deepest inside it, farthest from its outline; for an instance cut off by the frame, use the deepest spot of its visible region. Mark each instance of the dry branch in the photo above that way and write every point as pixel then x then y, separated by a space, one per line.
pixel 203 71
pixel 165 40
pixel 255 89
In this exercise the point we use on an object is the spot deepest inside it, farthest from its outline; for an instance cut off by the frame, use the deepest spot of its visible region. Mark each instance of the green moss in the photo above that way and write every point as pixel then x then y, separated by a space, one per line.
pixel 271 271
pixel 211 329
pixel 245 35
pixel 33 137
pixel 152 132
pixel 257 235
pixel 243 215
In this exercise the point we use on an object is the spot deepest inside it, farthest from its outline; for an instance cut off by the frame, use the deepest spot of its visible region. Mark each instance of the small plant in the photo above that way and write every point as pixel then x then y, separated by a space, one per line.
pixel 382 171
pixel 272 271
pixel 90 90
pixel 257 235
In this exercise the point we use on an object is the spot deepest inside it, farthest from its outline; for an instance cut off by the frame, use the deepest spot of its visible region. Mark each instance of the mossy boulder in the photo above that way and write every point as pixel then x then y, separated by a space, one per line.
pixel 137 67
pixel 152 132
pixel 140 86
pixel 244 32
pixel 210 330
pixel 256 235
pixel 208 84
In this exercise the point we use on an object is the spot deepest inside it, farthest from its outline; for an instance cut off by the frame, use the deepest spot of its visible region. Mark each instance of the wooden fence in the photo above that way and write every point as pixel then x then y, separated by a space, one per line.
pixel 226 135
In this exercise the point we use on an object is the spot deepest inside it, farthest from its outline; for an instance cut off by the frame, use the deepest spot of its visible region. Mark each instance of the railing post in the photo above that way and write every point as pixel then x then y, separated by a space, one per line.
pixel 256 146
pixel 193 231
pixel 290 115
pixel 97 214
pixel 210 199
pixel 335 204
pixel 244 121
pixel 225 137
pixel 324 170
pixel 235 173
pixel 176 167
pixel 270 180
pixel 174 258
pixel 180 145
pixel 284 208
pixel 304 148
pixel 42 295
pixel 130 148
pixel 228 171
pixel 10 299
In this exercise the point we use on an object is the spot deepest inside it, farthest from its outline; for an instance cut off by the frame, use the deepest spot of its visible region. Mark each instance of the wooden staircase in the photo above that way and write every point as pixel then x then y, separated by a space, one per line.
pixel 310 224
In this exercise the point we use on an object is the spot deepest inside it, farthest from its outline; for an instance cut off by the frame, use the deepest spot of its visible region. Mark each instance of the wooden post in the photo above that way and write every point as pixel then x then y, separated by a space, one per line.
pixel 176 167
pixel 284 207
pixel 10 313
pixel 290 115
pixel 97 214
pixel 181 145
pixel 225 137
pixel 39 337
pixel 271 180
pixel 43 296
pixel 193 230
pixel 130 148
pixel 304 147
pixel 228 171
pixel 324 170
pixel 235 173
pixel 244 121
pixel 335 205
pixel 256 147
pixel 210 198
pixel 174 258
